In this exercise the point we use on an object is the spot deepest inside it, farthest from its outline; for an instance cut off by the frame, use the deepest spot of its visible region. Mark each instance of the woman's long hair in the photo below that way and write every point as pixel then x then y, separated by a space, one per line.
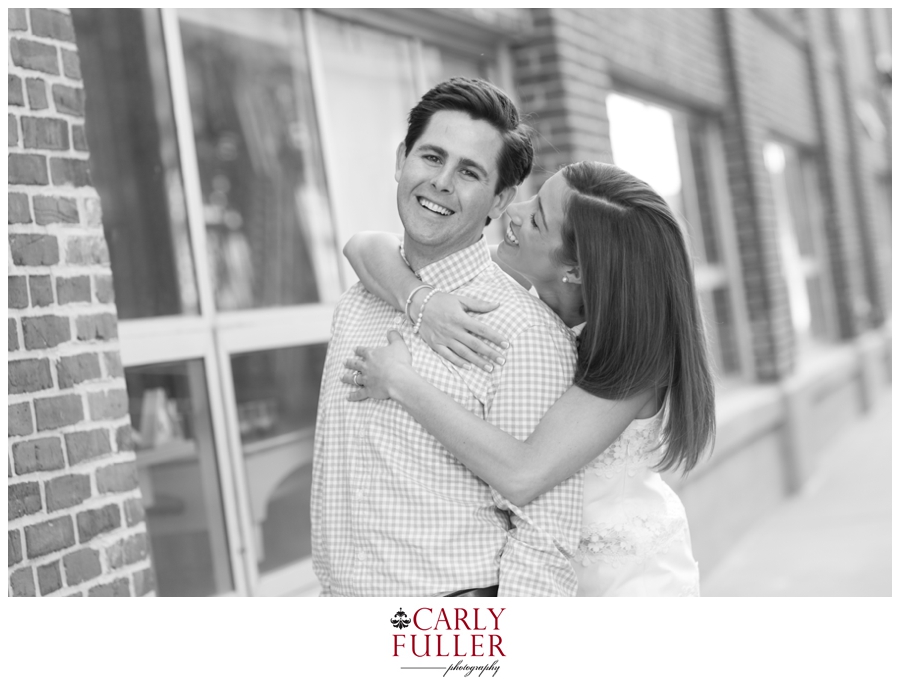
pixel 644 328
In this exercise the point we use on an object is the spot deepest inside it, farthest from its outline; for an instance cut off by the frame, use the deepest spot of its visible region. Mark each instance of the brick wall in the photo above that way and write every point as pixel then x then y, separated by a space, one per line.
pixel 76 523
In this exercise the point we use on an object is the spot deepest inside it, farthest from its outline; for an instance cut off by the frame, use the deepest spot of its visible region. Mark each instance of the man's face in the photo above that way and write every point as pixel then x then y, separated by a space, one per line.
pixel 446 185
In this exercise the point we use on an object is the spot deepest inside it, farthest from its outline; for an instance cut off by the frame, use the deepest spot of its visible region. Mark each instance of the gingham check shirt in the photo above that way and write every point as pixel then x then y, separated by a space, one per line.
pixel 393 513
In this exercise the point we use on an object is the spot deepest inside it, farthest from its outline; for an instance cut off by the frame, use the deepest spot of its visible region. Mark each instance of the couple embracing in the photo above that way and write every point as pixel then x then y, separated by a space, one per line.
pixel 508 439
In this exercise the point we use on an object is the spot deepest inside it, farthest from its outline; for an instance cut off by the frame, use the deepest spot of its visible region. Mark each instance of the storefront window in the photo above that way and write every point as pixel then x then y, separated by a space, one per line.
pixel 179 478
pixel 135 165
pixel 268 226
pixel 276 419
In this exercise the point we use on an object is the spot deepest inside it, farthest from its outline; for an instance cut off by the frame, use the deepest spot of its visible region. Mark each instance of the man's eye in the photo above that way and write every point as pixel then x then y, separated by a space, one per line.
pixel 432 158
pixel 470 173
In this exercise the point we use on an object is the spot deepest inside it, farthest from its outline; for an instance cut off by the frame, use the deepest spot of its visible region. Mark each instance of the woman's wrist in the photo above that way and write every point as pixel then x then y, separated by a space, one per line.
pixel 416 300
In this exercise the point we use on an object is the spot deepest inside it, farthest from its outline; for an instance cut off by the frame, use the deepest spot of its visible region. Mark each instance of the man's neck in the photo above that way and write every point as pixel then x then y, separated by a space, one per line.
pixel 419 256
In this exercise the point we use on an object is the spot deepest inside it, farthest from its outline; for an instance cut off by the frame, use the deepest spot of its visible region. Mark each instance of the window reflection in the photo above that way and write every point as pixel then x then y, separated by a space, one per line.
pixel 179 478
pixel 134 160
pixel 268 226
pixel 277 397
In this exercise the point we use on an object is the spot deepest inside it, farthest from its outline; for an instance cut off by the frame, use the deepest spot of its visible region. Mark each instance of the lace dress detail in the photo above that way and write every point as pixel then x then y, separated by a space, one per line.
pixel 635 538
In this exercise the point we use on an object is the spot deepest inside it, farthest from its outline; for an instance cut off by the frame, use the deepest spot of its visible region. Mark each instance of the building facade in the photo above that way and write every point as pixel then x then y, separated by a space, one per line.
pixel 160 438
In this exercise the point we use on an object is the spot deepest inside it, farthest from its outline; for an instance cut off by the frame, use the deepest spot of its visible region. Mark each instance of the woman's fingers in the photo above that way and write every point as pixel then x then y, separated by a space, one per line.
pixel 358 395
pixel 471 356
pixel 482 330
pixel 452 357
pixel 354 363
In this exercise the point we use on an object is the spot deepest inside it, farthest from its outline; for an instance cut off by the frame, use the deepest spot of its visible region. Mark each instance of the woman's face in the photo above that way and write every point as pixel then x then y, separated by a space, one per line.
pixel 534 233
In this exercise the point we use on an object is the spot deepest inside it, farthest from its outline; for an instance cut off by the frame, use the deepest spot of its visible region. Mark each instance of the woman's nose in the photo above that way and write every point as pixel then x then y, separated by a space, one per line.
pixel 514 212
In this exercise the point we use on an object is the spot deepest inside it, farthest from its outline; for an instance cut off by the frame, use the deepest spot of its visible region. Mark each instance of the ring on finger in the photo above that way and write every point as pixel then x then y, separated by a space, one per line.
pixel 356 379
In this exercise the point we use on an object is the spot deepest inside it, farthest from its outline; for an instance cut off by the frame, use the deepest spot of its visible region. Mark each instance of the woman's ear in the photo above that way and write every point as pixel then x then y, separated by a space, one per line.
pixel 573 274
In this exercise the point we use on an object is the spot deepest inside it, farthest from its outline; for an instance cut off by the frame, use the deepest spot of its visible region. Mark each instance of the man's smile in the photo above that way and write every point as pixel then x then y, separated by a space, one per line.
pixel 434 207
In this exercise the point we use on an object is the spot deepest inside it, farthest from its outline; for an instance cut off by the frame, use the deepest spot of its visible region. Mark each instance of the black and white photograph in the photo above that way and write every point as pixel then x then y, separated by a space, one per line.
pixel 480 317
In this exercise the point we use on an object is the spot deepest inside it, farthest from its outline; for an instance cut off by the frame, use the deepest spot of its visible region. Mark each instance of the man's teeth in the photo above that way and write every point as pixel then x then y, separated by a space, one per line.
pixel 510 236
pixel 434 208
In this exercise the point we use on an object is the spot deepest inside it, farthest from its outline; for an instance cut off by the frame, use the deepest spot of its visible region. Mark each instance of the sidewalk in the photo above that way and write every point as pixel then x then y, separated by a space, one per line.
pixel 833 538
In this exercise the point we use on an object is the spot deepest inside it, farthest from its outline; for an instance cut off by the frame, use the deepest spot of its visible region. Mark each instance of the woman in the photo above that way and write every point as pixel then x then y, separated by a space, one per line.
pixel 603 250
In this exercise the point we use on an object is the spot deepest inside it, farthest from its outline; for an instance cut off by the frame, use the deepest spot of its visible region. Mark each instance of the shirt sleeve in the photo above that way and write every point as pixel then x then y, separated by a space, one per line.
pixel 544 535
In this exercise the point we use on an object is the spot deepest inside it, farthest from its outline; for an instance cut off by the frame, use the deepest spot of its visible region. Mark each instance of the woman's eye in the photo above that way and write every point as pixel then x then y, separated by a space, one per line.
pixel 533 222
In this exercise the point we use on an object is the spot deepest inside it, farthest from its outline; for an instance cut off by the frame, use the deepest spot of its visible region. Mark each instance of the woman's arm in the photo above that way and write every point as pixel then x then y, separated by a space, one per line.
pixel 571 434
pixel 446 326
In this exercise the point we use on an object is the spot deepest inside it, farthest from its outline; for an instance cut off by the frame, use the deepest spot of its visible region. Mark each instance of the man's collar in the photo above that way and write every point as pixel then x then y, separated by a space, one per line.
pixel 457 269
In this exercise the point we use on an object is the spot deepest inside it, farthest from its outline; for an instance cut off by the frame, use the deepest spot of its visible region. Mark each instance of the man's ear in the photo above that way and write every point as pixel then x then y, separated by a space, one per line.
pixel 401 157
pixel 502 200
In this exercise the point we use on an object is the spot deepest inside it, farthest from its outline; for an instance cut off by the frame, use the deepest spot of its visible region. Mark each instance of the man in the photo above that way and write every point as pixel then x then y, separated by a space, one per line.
pixel 393 513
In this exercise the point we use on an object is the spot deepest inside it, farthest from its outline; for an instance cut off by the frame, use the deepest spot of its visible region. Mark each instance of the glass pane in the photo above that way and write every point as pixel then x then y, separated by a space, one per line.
pixel 645 142
pixel 179 478
pixel 441 65
pixel 268 225
pixel 134 160
pixel 277 394
pixel 369 90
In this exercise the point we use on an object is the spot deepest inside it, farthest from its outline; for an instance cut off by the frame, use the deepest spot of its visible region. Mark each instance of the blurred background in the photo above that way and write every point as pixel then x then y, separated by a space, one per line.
pixel 207 166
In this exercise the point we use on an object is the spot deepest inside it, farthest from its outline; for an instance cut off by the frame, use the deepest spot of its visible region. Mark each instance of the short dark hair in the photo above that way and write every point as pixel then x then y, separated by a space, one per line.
pixel 644 325
pixel 482 101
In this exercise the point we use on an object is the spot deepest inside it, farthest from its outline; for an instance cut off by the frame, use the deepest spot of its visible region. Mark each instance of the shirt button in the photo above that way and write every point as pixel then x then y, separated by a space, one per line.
pixel 361 556
pixel 398 320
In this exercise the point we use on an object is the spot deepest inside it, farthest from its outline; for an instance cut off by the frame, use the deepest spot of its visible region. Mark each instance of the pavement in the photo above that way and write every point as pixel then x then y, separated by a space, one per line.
pixel 832 538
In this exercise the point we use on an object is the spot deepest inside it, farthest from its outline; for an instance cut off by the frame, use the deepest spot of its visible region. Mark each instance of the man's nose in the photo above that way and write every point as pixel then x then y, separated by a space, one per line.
pixel 443 179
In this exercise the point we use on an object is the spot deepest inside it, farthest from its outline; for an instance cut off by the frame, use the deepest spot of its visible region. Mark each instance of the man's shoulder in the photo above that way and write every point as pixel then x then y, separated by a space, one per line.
pixel 518 310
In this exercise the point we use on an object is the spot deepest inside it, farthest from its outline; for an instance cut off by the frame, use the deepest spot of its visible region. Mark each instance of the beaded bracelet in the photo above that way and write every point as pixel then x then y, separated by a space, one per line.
pixel 422 310
pixel 410 299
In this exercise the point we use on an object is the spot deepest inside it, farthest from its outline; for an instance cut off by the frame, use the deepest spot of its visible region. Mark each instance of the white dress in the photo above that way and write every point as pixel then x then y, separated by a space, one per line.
pixel 635 539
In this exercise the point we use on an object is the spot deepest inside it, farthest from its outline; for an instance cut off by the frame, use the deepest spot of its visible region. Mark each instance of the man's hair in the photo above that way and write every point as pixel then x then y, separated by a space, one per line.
pixel 482 101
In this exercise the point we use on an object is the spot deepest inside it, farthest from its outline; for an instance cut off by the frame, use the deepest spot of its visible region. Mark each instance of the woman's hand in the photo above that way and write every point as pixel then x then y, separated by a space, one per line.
pixel 375 370
pixel 456 335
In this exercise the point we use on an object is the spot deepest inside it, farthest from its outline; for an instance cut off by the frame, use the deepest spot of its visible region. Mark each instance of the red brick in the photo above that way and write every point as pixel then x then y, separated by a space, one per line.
pixel 76 172
pixel 108 404
pixel 23 499
pixel 29 170
pixel 79 139
pixel 117 588
pixel 70 371
pixel 19 419
pixel 113 362
pixel 87 445
pixel 87 251
pixel 50 24
pixel 68 100
pixel 75 289
pixel 19 209
pixel 117 477
pixel 29 375
pixel 124 438
pixel 37 93
pixel 13 132
pixel 96 327
pixel 21 582
pixel 144 582
pixel 94 522
pixel 33 55
pixel 13 335
pixel 45 134
pixel 55 210
pixel 134 511
pixel 49 578
pixel 17 292
pixel 13 547
pixel 16 94
pixel 49 536
pixel 93 212
pixel 103 288
pixel 44 332
pixel 82 565
pixel 41 454
pixel 17 20
pixel 67 491
pixel 71 64
pixel 34 250
pixel 41 291
pixel 128 551
pixel 55 412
